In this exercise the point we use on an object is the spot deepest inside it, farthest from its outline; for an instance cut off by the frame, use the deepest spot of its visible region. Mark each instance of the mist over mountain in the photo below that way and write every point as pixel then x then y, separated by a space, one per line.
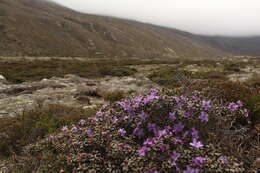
pixel 43 28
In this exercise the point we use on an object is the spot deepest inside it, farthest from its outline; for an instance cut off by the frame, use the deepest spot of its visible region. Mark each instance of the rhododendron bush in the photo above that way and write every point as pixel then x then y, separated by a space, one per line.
pixel 157 132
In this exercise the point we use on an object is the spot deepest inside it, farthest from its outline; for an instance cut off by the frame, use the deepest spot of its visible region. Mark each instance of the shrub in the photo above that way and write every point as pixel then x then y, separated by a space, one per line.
pixel 113 95
pixel 157 132
pixel 26 128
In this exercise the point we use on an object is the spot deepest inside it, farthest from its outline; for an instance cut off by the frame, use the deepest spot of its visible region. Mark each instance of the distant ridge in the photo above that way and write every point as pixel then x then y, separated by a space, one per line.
pixel 42 28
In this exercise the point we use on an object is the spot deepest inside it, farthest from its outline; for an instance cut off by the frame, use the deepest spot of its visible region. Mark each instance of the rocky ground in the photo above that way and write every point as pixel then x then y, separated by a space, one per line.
pixel 71 91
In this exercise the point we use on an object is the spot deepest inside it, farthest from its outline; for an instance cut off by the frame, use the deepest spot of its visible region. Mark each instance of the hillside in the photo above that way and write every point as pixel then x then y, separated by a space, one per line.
pixel 41 28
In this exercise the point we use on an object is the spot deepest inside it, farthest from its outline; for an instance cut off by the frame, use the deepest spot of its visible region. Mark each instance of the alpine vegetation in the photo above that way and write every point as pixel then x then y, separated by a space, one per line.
pixel 161 131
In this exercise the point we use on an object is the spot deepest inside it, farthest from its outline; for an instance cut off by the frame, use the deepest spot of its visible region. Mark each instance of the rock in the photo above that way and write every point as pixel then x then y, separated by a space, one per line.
pixel 83 99
pixel 2 78
pixel 256 163
pixel 72 91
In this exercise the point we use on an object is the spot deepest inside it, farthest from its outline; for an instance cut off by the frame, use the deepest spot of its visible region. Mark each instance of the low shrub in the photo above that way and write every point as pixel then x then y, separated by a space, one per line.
pixel 156 132
pixel 26 128
pixel 113 95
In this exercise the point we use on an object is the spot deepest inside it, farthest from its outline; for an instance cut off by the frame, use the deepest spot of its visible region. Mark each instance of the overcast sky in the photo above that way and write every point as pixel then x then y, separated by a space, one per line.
pixel 210 17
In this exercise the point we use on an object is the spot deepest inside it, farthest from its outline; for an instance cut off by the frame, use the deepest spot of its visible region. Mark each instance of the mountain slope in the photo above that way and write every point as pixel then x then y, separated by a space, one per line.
pixel 41 28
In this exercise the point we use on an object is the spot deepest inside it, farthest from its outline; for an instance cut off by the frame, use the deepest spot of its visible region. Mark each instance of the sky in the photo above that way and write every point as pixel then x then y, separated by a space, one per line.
pixel 207 17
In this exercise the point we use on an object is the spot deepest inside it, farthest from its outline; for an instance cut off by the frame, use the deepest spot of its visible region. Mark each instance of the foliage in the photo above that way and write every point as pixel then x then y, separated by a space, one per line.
pixel 156 132
pixel 113 95
pixel 25 128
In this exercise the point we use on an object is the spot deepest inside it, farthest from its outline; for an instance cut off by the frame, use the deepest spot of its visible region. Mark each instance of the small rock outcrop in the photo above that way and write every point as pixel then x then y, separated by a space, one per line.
pixel 71 91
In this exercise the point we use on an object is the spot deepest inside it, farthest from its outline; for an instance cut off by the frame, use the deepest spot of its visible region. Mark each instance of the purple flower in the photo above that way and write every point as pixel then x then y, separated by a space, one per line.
pixel 195 134
pixel 206 105
pixel 161 133
pixel 178 127
pixel 172 116
pixel 114 119
pixel 204 117
pixel 122 132
pixel 90 132
pixel 138 132
pixel 149 141
pixel 143 115
pixel 137 101
pixel 177 141
pixel 152 127
pixel 239 103
pixel 163 147
pixel 191 170
pixel 101 114
pixel 199 161
pixel 196 144
pixel 233 106
pixel 185 134
pixel 174 157
pixel 142 151
pixel 223 159
pixel 188 114
pixel 126 105
pixel 74 128
pixel 82 122
pixel 149 98
pixel 93 118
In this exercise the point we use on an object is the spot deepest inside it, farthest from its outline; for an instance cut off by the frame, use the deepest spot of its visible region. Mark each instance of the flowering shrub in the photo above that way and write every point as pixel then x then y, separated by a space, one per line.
pixel 157 132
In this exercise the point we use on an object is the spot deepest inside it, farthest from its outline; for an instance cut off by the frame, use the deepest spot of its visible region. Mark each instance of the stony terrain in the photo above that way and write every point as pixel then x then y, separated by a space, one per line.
pixel 71 91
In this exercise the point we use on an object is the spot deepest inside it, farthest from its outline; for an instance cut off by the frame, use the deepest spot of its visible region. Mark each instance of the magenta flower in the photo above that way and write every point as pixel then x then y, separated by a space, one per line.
pixel 204 117
pixel 172 116
pixel 199 161
pixel 122 132
pixel 142 151
pixel 206 105
pixel 196 144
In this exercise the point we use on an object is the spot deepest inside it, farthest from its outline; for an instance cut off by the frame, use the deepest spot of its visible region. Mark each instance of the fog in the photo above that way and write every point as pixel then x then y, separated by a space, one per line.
pixel 207 17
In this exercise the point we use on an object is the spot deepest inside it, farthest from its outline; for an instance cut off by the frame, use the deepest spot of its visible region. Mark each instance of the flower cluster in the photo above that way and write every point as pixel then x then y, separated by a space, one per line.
pixel 150 133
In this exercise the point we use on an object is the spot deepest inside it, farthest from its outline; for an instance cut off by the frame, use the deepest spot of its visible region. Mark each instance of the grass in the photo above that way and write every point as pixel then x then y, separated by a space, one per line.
pixel 25 70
